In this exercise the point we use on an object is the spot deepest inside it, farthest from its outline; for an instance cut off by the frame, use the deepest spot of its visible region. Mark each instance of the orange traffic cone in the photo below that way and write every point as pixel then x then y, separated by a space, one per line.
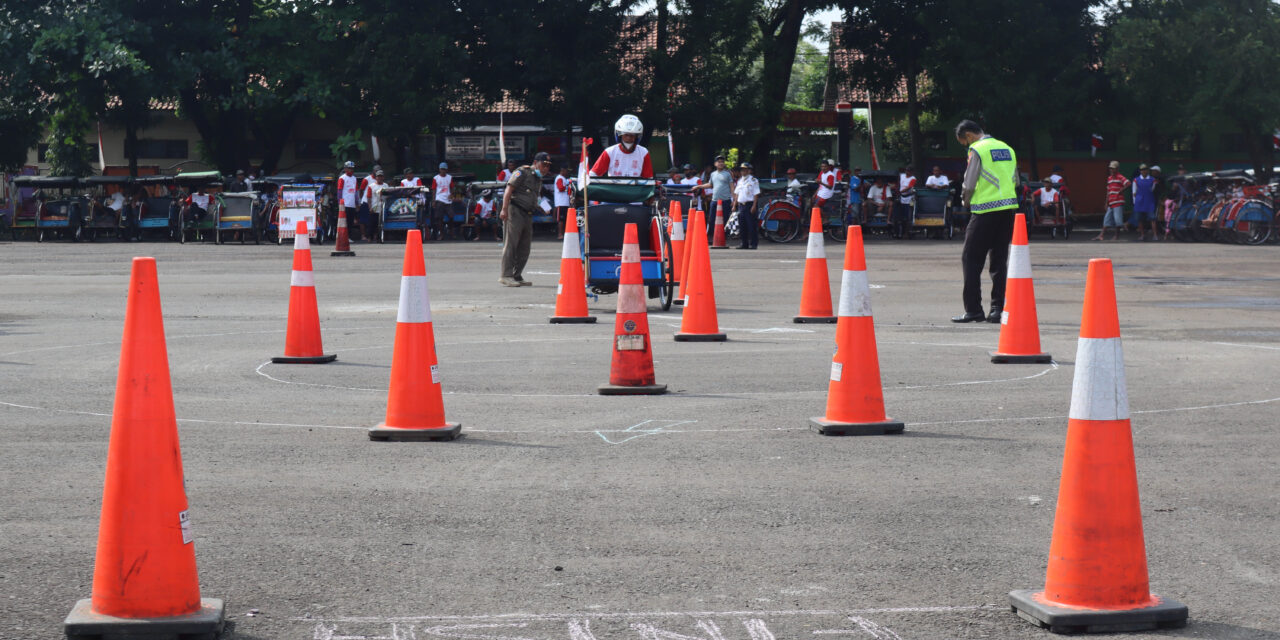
pixel 718 241
pixel 855 396
pixel 1097 577
pixel 631 372
pixel 695 219
pixel 415 403
pixel 144 577
pixel 815 296
pixel 571 293
pixel 1019 328
pixel 698 320
pixel 342 244
pixel 302 343
pixel 677 240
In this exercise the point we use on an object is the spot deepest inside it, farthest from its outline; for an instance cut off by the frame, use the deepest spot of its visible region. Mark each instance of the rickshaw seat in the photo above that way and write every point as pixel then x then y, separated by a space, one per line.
pixel 607 224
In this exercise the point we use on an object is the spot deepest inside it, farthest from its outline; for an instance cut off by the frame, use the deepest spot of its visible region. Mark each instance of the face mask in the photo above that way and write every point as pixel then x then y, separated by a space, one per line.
pixel 538 171
pixel 628 145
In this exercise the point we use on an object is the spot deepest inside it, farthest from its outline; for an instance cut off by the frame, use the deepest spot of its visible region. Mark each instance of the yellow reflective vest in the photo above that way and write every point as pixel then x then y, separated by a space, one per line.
pixel 997 186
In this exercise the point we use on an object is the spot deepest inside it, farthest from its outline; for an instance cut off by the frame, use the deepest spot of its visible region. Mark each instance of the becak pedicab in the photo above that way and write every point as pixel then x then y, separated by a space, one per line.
pixel 60 207
pixel 107 206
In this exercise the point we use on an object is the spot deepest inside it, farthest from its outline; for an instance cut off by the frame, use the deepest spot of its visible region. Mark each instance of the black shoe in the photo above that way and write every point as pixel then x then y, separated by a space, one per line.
pixel 994 316
pixel 975 316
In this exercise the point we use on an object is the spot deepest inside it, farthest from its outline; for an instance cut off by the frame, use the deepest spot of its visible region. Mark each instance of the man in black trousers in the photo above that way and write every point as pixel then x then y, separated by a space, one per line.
pixel 990 190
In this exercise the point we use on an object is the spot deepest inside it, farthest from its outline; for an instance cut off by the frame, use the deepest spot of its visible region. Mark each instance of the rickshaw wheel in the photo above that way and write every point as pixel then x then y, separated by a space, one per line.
pixel 839 233
pixel 40 235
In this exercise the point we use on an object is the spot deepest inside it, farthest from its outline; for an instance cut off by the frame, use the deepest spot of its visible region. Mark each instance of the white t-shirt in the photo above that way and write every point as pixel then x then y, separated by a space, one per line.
pixel 348 188
pixel 373 196
pixel 415 182
pixel 906 184
pixel 484 208
pixel 116 201
pixel 1055 178
pixel 877 194
pixel 691 181
pixel 673 182
pixel 563 187
pixel 1047 196
pixel 443 185
pixel 200 200
pixel 825 179
pixel 938 181
pixel 747 189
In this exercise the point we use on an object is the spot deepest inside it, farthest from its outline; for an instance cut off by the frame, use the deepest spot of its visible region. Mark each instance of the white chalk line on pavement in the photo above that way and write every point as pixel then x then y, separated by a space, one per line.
pixel 627 615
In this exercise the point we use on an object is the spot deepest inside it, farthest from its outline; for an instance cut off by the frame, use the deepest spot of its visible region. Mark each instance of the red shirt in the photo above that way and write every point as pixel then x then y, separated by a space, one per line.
pixel 1115 190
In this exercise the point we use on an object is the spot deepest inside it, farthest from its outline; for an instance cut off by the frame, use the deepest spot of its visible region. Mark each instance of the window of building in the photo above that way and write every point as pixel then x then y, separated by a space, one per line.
pixel 312 149
pixel 42 152
pixel 1185 144
pixel 162 148
pixel 1236 143
pixel 1082 143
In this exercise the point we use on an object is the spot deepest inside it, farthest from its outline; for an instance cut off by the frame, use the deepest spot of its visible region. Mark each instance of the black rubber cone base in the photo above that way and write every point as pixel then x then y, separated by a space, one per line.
pixel 449 431
pixel 701 337
pixel 638 390
pixel 832 428
pixel 814 319
pixel 304 360
pixel 573 319
pixel 1165 614
pixel 679 302
pixel 342 253
pixel 1006 358
pixel 206 623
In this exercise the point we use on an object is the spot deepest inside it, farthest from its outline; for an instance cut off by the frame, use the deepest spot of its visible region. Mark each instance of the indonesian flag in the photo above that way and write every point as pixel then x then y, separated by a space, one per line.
pixel 871 133
pixel 671 145
pixel 584 173
pixel 502 141
pixel 1275 139
pixel 1095 143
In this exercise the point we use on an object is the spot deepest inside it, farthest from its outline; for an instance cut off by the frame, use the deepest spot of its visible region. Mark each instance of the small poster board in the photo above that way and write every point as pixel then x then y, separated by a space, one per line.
pixel 297 203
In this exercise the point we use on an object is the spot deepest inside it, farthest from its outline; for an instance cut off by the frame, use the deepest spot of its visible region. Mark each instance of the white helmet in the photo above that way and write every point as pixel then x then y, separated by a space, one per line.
pixel 628 124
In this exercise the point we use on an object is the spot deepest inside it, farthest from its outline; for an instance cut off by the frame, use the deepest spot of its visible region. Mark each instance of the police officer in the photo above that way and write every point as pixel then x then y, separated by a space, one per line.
pixel 519 203
pixel 990 192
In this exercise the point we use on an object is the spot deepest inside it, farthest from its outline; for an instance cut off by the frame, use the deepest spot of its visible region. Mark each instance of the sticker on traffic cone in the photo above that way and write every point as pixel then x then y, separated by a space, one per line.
pixel 571 293
pixel 718 242
pixel 144 575
pixel 677 240
pixel 698 319
pixel 815 295
pixel 697 222
pixel 855 396
pixel 631 372
pixel 302 343
pixel 1097 578
pixel 415 401
pixel 342 245
pixel 1019 328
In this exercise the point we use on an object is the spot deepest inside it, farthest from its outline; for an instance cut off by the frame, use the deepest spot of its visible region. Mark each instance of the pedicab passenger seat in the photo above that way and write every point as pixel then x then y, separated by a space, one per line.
pixel 607 224
pixel 931 207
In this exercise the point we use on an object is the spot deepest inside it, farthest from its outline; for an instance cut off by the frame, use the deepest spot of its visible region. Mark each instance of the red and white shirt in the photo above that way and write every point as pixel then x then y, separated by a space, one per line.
pixel 484 209
pixel 349 189
pixel 504 175
pixel 1115 190
pixel 415 182
pixel 906 188
pixel 617 162
pixel 826 185
pixel 563 187
pixel 373 196
pixel 442 186
pixel 1046 197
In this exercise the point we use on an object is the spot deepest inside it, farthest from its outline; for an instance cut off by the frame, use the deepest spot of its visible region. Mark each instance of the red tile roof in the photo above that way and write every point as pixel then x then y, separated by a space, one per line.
pixel 845 89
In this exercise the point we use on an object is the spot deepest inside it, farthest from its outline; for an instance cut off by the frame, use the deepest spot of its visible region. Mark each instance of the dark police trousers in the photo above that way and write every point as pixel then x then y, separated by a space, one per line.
pixel 748 226
pixel 986 233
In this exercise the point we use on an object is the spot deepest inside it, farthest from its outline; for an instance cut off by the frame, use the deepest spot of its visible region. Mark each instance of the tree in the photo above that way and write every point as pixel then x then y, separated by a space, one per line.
pixel 1016 66
pixel 779 23
pixel 892 38
pixel 21 105
pixel 808 78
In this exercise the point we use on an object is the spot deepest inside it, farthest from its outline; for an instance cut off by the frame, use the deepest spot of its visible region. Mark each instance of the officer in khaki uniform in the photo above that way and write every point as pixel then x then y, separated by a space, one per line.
pixel 524 187
pixel 990 192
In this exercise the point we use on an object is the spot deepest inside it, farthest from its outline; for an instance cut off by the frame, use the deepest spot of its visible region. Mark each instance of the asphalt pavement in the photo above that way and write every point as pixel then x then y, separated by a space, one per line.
pixel 710 513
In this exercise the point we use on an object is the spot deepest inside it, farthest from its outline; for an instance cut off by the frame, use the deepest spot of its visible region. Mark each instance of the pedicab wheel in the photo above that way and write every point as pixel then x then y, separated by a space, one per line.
pixel 838 234
pixel 382 235
pixel 40 235
pixel 217 236
pixel 1259 232
pixel 1201 233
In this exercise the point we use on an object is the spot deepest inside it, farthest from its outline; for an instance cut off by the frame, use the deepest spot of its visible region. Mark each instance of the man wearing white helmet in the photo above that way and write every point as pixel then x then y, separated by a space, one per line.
pixel 627 159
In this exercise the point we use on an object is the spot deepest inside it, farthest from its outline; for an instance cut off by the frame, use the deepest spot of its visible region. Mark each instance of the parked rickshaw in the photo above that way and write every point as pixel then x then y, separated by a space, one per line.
pixel 931 213
pixel 780 212
pixel 106 206
pixel 403 209
pixel 291 197
pixel 60 206
pixel 471 226
pixel 26 205
pixel 878 223
pixel 608 211
pixel 189 221
pixel 239 215
pixel 1059 222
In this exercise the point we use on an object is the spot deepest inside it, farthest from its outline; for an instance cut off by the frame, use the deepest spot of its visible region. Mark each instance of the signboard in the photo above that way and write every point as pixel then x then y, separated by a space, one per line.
pixel 466 147
pixel 809 119
pixel 515 147
pixel 297 203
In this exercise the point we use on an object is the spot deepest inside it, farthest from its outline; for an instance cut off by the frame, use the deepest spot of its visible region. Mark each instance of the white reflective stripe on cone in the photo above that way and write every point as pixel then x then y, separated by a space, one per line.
pixel 342 220
pixel 855 295
pixel 1019 261
pixel 631 299
pixel 415 306
pixel 631 253
pixel 303 279
pixel 302 241
pixel 571 249
pixel 817 248
pixel 1098 391
pixel 677 231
